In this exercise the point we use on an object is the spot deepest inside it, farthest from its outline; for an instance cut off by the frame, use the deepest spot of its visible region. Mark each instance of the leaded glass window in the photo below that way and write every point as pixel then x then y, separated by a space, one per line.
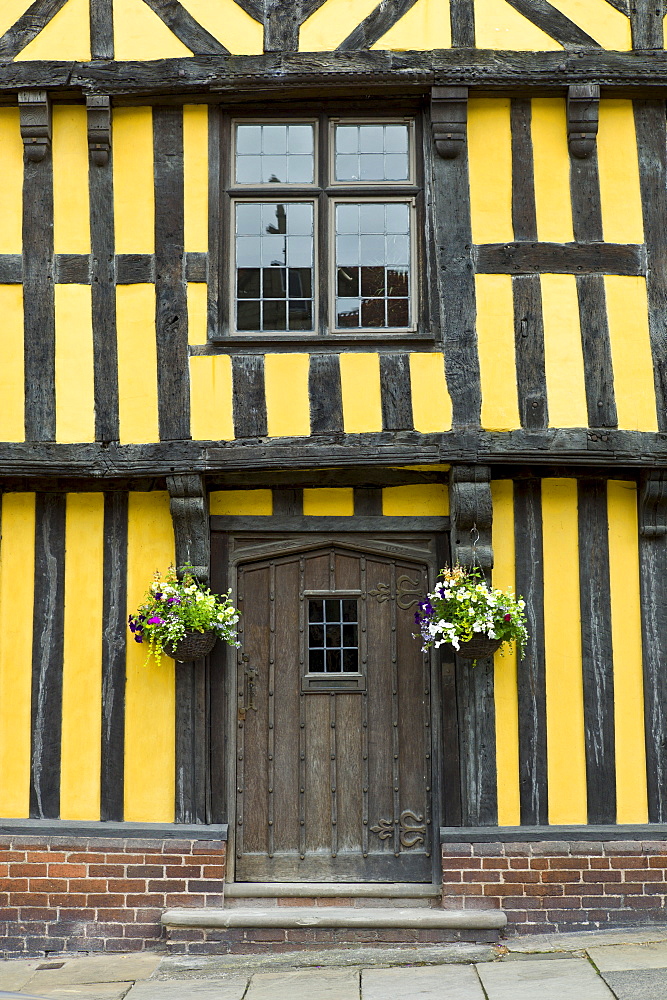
pixel 333 641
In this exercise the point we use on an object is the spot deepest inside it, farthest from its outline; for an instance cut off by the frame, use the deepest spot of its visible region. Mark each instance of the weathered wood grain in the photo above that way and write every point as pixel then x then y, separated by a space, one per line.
pixel 101 29
pixel 282 20
pixel 71 269
pixel 248 396
pixel 396 392
pixel 646 22
pixel 28 26
pixel 221 764
pixel 171 307
pixel 376 24
pixel 280 523
pixel 191 743
pixel 47 655
pixel 531 676
pixel 287 502
pixel 135 268
pixel 218 291
pixel 324 390
pixel 196 266
pixel 529 349
pixel 524 215
pixel 555 23
pixel 367 501
pixel 187 30
pixel 560 258
pixel 115 636
pixel 598 370
pixel 462 18
pixel 11 269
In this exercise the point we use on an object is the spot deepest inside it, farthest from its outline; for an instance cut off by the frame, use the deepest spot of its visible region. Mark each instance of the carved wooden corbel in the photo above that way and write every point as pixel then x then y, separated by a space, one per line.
pixel 583 104
pixel 471 513
pixel 99 128
pixel 653 504
pixel 35 117
pixel 449 120
pixel 189 512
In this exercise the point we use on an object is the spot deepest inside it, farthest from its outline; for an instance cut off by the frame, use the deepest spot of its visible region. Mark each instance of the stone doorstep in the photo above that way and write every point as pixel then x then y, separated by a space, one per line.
pixel 288 917
pixel 331 890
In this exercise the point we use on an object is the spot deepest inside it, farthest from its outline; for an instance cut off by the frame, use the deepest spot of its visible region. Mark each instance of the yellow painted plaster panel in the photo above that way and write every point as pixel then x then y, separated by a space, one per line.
pixel 211 403
pixel 195 176
pixel 551 164
pixel 11 189
pixel 134 192
pixel 137 363
pixel 332 23
pixel 66 36
pixel 150 693
pixel 197 312
pixel 427 25
pixel 17 559
pixel 242 503
pixel 627 311
pixel 140 34
pixel 563 353
pixel 490 155
pixel 431 402
pixel 619 174
pixel 80 761
pixel 287 402
pixel 12 390
pixel 499 26
pixel 599 20
pixel 328 502
pixel 71 211
pixel 10 12
pixel 360 384
pixel 75 392
pixel 505 690
pixel 418 500
pixel 566 755
pixel 230 24
pixel 495 341
pixel 626 637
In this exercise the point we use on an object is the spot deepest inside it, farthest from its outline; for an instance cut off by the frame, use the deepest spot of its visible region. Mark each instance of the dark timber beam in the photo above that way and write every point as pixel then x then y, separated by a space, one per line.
pixel 189 513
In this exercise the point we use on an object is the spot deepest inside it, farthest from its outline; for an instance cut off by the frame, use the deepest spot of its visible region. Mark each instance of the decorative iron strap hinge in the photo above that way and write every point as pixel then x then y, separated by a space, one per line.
pixel 408 592
pixel 411 825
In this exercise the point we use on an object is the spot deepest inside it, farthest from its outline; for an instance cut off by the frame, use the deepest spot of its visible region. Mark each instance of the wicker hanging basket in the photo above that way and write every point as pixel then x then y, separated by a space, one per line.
pixel 479 648
pixel 193 646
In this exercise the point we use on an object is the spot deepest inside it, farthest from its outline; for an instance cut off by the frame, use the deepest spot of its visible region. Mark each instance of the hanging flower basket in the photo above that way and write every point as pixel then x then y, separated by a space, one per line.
pixel 193 646
pixel 479 648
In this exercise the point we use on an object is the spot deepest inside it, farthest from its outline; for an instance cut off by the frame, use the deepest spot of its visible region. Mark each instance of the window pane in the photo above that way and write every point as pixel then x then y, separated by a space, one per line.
pixel 274 316
pixel 315 611
pixel 372 152
pixel 348 281
pixel 351 661
pixel 316 635
pixel 316 661
pixel 347 138
pixel 347 313
pixel 349 611
pixel 275 154
pixel 248 283
pixel 333 659
pixel 248 316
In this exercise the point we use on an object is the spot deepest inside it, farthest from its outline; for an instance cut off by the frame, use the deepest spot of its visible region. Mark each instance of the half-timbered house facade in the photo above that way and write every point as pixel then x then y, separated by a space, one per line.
pixel 318 296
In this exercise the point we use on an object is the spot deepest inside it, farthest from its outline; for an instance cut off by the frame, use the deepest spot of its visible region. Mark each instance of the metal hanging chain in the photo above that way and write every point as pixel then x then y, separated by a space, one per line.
pixel 474 537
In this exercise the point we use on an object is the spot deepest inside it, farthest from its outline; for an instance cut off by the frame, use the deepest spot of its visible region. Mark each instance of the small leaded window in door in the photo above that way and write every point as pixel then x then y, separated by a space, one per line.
pixel 332 654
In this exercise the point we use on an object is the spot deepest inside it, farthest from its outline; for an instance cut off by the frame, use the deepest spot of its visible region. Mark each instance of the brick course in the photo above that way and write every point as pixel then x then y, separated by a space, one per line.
pixel 99 895
pixel 559 885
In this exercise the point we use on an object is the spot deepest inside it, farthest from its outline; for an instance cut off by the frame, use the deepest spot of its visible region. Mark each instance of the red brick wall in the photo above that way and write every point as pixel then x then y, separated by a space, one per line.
pixel 559 886
pixel 92 895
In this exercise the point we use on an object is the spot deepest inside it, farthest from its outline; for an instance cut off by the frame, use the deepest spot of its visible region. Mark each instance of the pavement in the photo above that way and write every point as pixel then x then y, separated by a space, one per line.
pixel 601 965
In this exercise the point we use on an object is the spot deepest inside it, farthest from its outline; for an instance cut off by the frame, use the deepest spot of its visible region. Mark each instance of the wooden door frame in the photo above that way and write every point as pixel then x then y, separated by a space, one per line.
pixel 230 548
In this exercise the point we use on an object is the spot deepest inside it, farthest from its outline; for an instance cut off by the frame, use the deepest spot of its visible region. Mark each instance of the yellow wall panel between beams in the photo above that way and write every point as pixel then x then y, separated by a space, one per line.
pixel 563 353
pixel 12 389
pixel 328 502
pixel 66 36
pixel 287 401
pixel 505 691
pixel 627 311
pixel 599 20
pixel 11 189
pixel 566 755
pixel 360 384
pixel 495 342
pixel 134 191
pixel 490 156
pixel 71 208
pixel 332 23
pixel 75 390
pixel 230 24
pixel 82 658
pixel 626 637
pixel 150 692
pixel 242 503
pixel 418 500
pixel 551 164
pixel 195 176
pixel 619 174
pixel 500 26
pixel 211 403
pixel 10 12
pixel 137 364
pixel 17 560
pixel 431 402
pixel 197 312
pixel 427 25
pixel 140 34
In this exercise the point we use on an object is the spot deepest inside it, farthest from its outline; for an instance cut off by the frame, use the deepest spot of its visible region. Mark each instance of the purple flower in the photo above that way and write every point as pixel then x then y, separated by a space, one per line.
pixel 138 638
pixel 155 621
pixel 426 607
pixel 417 618
pixel 173 600
pixel 158 597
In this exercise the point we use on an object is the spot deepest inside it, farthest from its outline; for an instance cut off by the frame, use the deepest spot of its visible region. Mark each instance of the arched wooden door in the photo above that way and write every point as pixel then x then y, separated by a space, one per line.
pixel 334 756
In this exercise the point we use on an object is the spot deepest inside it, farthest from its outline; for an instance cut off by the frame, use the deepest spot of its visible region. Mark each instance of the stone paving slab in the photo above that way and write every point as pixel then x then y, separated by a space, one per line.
pixel 307 984
pixel 454 982
pixel 642 984
pixel 87 991
pixel 15 972
pixel 570 979
pixel 223 988
pixel 622 958
pixel 583 940
pixel 96 969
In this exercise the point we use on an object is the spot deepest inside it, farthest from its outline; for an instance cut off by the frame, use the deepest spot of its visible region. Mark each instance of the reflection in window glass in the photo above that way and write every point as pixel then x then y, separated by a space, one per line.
pixel 274 266
pixel 333 641
pixel 373 265
pixel 372 153
pixel 275 154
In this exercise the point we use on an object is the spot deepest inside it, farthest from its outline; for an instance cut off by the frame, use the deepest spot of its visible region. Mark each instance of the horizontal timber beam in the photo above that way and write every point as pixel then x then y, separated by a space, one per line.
pixel 560 258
